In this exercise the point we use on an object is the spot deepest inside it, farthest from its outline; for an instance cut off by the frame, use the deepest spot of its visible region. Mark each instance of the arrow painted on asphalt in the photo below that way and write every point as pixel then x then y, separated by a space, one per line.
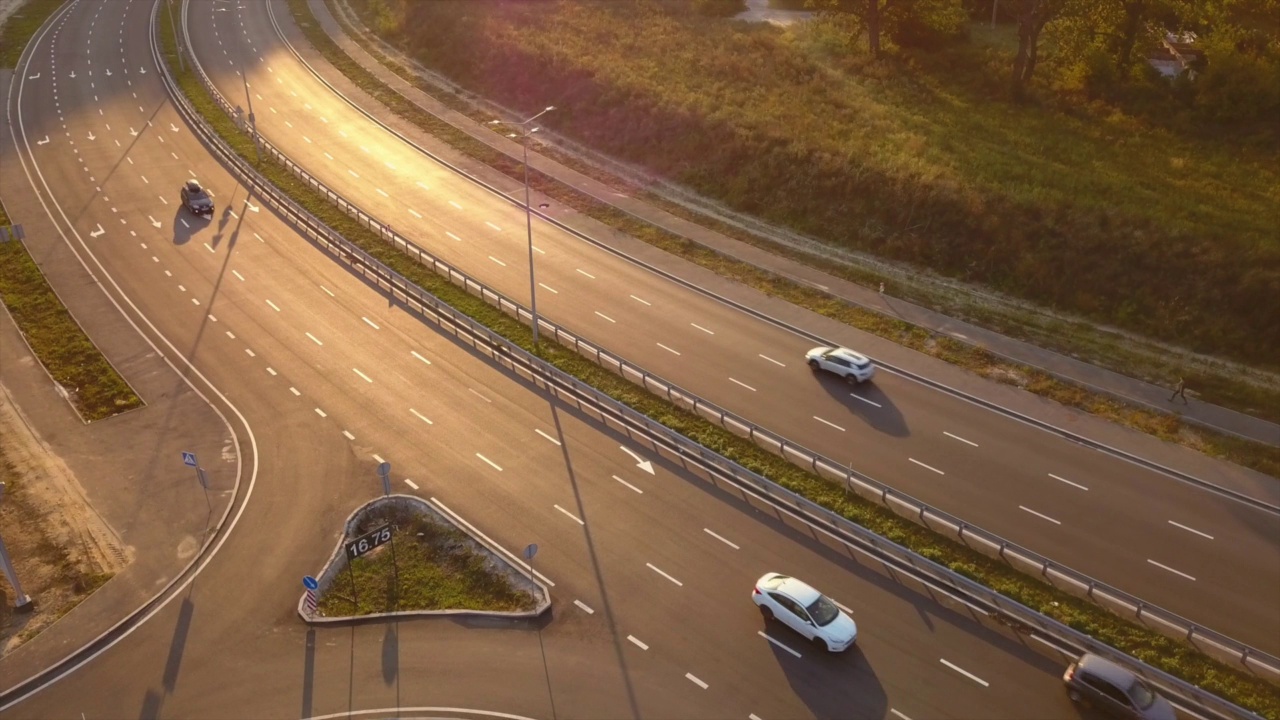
pixel 133 132
pixel 45 141
pixel 641 463
pixel 97 232
pixel 91 137
pixel 73 74
pixel 154 222
pixel 108 72
pixel 250 206
pixel 173 127
pixel 142 71
pixel 34 77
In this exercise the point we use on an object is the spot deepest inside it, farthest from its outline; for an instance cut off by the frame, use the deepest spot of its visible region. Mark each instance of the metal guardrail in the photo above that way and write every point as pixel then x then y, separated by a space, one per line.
pixel 699 459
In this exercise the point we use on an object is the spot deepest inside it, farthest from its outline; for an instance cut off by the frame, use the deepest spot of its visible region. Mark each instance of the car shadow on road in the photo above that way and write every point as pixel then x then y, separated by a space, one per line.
pixel 186 224
pixel 867 402
pixel 831 685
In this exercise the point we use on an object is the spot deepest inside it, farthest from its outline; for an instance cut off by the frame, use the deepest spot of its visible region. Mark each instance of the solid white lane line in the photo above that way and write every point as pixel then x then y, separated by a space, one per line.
pixel 1039 515
pixel 606 317
pixel 492 463
pixel 1190 529
pixel 455 237
pixel 320 413
pixel 273 306
pixel 238 275
pixel 702 328
pixel 497 261
pixel 1166 567
pixel 585 609
pixel 421 417
pixel 664 347
pixel 646 302
pixel 415 354
pixel 348 435
pixel 639 644
pixel 726 542
pixel 743 384
pixel 539 431
pixel 328 291
pixel 575 518
pixel 249 352
pixel 856 396
pixel 776 643
pixel 775 362
pixel 473 391
pixel 693 679
pixel 371 323
pixel 965 673
pixel 1055 477
pixel 584 272
pixel 926 466
pixel 957 437
pixel 456 205
pixel 295 392
pixel 495 227
pixel 677 582
pixel 411 483
pixel 624 482
pixel 314 339
pixel 828 422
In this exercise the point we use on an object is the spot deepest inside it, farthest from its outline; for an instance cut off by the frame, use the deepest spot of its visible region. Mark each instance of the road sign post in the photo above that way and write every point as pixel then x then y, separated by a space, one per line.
pixel 189 459
pixel 384 472
pixel 529 551
pixel 311 585
pixel 23 603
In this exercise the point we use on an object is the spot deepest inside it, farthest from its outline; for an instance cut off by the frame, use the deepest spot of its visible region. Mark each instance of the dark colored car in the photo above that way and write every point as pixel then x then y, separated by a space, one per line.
pixel 1104 685
pixel 196 199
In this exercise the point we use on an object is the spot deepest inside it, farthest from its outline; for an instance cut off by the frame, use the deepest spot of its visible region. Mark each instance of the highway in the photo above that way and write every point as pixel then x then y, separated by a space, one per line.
pixel 1193 551
pixel 652 571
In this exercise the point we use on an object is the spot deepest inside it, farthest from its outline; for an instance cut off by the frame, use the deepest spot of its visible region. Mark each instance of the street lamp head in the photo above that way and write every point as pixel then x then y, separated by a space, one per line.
pixel 534 130
pixel 495 122
pixel 550 108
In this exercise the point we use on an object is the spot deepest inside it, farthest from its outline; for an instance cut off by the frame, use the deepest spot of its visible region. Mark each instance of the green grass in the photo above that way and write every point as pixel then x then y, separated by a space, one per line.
pixel 436 571
pixel 20 26
pixel 1160 651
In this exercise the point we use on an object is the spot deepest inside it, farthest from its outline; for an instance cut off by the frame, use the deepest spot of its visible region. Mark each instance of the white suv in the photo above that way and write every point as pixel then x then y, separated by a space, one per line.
pixel 850 365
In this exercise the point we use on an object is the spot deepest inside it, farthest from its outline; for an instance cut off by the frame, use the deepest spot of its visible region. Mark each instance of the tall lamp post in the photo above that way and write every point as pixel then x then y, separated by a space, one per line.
pixel 525 132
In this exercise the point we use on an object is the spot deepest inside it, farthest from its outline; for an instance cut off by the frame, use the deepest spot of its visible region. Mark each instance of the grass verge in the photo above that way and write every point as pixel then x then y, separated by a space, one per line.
pixel 436 568
pixel 20 26
pixel 1160 651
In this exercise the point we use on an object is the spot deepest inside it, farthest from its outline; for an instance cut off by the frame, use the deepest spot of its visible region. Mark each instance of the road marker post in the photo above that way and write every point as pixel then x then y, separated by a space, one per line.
pixel 311 585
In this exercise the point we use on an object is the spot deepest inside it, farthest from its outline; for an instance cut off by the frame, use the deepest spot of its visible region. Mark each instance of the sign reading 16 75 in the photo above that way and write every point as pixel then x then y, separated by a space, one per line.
pixel 368 541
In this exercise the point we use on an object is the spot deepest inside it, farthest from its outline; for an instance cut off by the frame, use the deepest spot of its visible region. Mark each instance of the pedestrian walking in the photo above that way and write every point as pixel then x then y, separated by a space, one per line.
pixel 1180 391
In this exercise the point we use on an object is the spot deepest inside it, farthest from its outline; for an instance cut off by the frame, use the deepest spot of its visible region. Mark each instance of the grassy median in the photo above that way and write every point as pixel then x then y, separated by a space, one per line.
pixel 1166 653
pixel 21 26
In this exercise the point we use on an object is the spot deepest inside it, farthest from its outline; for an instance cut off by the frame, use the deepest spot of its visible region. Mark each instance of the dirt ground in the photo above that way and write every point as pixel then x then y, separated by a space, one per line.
pixel 7 7
pixel 62 550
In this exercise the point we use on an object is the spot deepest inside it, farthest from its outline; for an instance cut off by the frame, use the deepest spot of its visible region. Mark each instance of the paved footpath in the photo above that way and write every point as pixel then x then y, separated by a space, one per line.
pixel 1134 391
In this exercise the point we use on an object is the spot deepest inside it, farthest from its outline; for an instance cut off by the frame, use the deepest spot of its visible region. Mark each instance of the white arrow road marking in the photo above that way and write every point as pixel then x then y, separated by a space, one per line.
pixel 251 207
pixel 45 141
pixel 73 73
pixel 641 463
pixel 156 223
pixel 91 136
pixel 97 232
pixel 37 76
pixel 173 127
pixel 108 72
pixel 141 71
pixel 133 132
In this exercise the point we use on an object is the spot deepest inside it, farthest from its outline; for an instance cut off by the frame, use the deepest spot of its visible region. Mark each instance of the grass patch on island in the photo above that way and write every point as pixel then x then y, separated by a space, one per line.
pixel 21 26
pixel 1171 655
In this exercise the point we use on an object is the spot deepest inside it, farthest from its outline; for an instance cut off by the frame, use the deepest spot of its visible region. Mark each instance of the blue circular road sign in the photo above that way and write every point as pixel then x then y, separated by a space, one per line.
pixel 309 582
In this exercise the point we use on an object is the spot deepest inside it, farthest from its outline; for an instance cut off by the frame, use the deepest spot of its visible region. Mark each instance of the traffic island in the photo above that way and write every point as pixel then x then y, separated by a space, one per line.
pixel 401 555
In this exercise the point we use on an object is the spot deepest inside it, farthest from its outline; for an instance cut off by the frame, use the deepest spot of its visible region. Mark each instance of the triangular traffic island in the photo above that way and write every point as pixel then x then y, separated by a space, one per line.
pixel 401 555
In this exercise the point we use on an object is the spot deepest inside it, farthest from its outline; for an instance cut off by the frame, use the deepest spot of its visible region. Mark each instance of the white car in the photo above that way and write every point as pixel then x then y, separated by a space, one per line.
pixel 850 365
pixel 805 610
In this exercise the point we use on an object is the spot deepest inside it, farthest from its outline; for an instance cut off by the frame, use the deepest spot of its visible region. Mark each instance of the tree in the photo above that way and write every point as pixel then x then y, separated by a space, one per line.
pixel 1032 16
pixel 908 20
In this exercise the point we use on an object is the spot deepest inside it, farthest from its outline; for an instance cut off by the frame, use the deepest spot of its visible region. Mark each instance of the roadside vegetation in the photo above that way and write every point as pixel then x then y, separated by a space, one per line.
pixel 437 570
pixel 1171 655
pixel 19 28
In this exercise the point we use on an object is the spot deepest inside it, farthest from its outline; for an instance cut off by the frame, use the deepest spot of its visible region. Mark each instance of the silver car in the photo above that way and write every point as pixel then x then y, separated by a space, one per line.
pixel 1102 684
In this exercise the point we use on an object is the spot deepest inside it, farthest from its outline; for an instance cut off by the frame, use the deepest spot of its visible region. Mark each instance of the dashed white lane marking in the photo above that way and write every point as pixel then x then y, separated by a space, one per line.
pixel 411 483
pixel 455 237
pixel 926 466
pixel 624 482
pixel 328 291
pixel 646 302
pixel 1072 484
pixel 548 288
pixel 370 323
pixel 249 352
pixel 957 437
pixel 664 347
pixel 168 274
pixel 415 213
pixel 320 413
pixel 726 542
pixel 382 192
pixel 776 643
pixel 423 186
pixel 743 384
pixel 584 272
pixel 492 463
pixel 965 673
pixel 497 261
pixel 420 416
pixel 753 716
pixel 365 149
pixel 314 339
pixel 415 354
pixel 362 375
pixel 1190 529
pixel 482 397
pixel 575 518
pixel 775 362
pixel 495 227
pixel 304 137
pixel 456 205
pixel 539 431
pixel 272 371
pixel 606 317
pixel 898 714
pixel 694 679
pixel 677 582
pixel 702 328
pixel 378 458
pixel 828 422
pixel 1166 567
pixel 348 435
pixel 328 156
pixel 585 609
pixel 1042 516
pixel 195 301
pixel 638 644
pixel 210 248
pixel 294 390
pixel 262 241
pixel 274 306
pixel 856 396
pixel 389 165
pixel 238 275
pixel 231 335
pixel 353 173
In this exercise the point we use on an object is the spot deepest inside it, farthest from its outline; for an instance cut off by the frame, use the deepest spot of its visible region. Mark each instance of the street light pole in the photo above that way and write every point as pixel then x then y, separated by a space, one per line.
pixel 528 211
pixel 177 41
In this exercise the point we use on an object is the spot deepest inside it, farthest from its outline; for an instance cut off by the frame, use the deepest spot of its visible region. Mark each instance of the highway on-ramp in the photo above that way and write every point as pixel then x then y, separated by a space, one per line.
pixel 652 571
pixel 1196 552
